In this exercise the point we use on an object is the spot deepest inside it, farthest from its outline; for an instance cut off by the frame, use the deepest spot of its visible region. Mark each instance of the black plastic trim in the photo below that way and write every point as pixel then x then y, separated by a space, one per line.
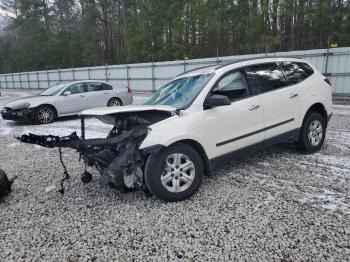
pixel 254 133
pixel 292 135
pixel 329 117
pixel 152 149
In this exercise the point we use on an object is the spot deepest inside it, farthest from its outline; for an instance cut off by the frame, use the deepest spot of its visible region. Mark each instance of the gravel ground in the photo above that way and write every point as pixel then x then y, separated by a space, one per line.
pixel 275 205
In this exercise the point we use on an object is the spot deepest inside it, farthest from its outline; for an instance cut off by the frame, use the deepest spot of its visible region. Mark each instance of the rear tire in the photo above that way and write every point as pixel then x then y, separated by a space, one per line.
pixel 114 102
pixel 312 134
pixel 44 115
pixel 175 173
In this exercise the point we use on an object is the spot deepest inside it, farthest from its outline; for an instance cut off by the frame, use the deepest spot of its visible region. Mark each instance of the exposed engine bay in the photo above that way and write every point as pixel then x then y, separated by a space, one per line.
pixel 117 157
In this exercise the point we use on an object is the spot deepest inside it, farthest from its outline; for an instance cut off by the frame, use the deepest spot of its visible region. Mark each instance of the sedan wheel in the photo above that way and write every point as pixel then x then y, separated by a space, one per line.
pixel 44 115
pixel 114 102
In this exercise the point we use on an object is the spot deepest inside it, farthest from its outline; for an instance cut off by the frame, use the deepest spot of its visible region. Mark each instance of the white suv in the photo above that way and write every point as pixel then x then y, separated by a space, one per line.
pixel 208 115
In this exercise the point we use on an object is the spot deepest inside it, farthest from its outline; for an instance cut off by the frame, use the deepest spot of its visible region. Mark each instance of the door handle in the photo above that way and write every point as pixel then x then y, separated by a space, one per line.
pixel 293 95
pixel 254 107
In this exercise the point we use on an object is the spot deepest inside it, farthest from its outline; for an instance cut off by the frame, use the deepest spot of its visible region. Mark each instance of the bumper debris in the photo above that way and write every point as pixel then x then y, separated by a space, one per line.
pixel 5 183
pixel 117 157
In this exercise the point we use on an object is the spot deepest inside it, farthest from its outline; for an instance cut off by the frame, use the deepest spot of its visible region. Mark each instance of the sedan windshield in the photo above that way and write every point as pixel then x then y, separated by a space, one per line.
pixel 54 90
pixel 181 92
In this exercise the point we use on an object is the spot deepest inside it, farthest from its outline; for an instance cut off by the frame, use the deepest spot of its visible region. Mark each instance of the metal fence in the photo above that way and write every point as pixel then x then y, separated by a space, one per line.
pixel 146 77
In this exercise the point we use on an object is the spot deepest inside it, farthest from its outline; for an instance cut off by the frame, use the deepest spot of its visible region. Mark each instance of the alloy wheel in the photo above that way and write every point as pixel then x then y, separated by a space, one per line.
pixel 315 133
pixel 178 173
pixel 45 115
pixel 115 102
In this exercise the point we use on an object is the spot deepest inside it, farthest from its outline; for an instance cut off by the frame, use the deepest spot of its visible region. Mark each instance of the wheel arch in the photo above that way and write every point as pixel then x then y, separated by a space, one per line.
pixel 199 148
pixel 49 105
pixel 116 97
pixel 319 108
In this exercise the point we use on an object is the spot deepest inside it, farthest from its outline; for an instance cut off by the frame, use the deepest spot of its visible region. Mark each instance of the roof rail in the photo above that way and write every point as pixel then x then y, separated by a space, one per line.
pixel 255 58
pixel 233 61
pixel 198 68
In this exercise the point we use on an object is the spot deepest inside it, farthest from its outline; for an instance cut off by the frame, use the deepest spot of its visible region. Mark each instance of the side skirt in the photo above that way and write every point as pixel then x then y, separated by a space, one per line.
pixel 290 136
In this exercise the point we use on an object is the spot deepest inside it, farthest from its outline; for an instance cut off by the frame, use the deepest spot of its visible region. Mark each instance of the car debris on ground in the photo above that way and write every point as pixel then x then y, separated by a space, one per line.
pixel 5 183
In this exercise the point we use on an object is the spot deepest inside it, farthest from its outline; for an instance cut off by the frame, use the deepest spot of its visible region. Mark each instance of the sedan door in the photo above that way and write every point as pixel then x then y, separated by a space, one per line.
pixel 236 126
pixel 280 100
pixel 73 102
pixel 97 95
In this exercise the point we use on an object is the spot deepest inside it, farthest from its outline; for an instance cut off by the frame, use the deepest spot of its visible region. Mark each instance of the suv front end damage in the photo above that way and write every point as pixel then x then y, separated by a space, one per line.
pixel 117 157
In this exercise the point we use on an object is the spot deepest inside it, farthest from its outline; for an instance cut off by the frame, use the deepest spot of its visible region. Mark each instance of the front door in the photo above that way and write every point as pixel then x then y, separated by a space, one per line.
pixel 74 102
pixel 229 128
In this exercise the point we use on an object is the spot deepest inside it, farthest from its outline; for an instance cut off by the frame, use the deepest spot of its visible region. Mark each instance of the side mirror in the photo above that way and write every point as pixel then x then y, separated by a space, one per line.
pixel 67 93
pixel 217 100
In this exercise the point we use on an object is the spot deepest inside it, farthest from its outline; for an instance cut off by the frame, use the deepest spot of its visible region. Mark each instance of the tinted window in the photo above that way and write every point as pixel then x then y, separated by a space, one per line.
pixel 233 85
pixel 107 87
pixel 76 88
pixel 296 72
pixel 265 77
pixel 94 87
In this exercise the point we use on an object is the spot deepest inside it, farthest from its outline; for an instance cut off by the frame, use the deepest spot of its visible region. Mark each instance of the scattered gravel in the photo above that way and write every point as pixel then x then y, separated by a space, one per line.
pixel 275 205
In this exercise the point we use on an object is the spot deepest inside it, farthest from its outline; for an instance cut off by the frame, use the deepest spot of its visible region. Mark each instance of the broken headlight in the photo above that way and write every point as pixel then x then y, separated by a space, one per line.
pixel 21 106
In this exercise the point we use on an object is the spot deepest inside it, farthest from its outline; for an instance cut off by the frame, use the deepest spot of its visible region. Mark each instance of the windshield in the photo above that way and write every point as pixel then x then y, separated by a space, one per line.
pixel 54 90
pixel 179 93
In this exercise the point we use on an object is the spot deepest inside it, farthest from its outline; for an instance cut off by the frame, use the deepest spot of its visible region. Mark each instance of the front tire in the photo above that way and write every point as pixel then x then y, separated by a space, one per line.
pixel 44 115
pixel 175 173
pixel 313 133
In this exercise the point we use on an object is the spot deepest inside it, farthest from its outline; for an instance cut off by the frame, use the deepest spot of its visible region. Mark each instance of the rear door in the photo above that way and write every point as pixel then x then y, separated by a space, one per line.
pixel 97 95
pixel 280 98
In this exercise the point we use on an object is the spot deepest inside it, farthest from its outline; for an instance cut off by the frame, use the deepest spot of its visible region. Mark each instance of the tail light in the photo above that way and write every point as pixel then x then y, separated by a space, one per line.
pixel 328 81
pixel 129 90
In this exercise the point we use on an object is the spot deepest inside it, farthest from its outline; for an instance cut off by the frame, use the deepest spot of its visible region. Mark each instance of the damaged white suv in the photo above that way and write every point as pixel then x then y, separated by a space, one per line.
pixel 204 117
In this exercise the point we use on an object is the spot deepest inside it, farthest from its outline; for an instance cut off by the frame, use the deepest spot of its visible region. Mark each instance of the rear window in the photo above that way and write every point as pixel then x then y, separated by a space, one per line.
pixel 265 77
pixel 107 87
pixel 296 72
pixel 91 87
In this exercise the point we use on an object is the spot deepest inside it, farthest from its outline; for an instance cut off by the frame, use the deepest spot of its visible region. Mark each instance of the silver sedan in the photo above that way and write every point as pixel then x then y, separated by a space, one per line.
pixel 66 99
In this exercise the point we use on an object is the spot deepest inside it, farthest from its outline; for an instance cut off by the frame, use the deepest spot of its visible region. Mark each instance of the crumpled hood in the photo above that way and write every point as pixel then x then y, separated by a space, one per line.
pixel 101 111
pixel 32 100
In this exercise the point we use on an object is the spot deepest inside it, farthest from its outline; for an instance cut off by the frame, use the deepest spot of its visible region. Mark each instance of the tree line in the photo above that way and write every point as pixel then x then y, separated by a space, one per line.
pixel 47 34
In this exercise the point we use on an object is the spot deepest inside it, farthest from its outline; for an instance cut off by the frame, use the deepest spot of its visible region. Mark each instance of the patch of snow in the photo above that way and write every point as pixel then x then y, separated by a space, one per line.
pixel 342 110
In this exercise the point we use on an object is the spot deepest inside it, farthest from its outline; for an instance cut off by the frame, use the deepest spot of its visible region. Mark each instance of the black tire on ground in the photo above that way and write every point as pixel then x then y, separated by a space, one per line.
pixel 115 101
pixel 156 166
pixel 44 114
pixel 313 123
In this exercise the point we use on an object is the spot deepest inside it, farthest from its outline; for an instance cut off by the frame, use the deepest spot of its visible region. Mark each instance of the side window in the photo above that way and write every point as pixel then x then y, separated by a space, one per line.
pixel 265 77
pixel 296 72
pixel 91 87
pixel 107 87
pixel 233 85
pixel 76 88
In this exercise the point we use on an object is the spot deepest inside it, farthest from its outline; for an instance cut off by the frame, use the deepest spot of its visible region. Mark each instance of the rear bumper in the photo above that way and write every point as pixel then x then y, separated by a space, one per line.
pixel 128 99
pixel 18 115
